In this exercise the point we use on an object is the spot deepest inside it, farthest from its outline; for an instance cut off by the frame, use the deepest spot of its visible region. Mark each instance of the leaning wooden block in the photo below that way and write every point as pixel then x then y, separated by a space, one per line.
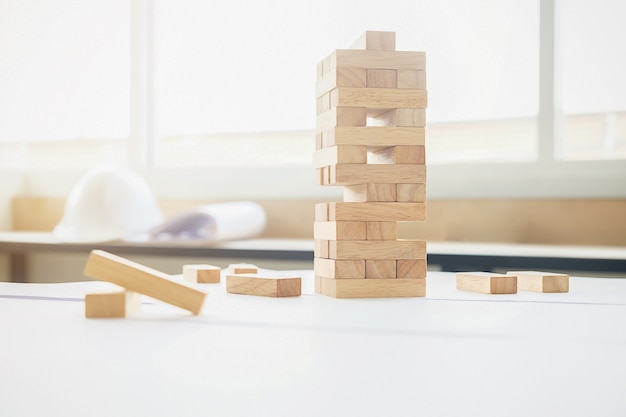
pixel 486 282
pixel 201 273
pixel 243 269
pixel 105 266
pixel 541 281
pixel 265 286
pixel 370 288
pixel 116 304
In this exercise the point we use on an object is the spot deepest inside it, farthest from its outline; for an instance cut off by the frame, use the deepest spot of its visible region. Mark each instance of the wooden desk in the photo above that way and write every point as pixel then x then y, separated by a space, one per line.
pixel 450 354
pixel 446 256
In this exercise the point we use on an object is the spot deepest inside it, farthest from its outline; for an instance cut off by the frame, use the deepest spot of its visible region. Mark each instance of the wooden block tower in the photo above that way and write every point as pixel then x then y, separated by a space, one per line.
pixel 370 137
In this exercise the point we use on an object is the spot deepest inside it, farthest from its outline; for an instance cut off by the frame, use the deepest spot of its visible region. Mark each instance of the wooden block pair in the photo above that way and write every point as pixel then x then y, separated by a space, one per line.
pixel 509 283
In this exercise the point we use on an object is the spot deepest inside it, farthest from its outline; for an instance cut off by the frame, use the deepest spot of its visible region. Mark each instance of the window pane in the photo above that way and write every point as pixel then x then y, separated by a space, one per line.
pixel 64 77
pixel 594 86
pixel 226 69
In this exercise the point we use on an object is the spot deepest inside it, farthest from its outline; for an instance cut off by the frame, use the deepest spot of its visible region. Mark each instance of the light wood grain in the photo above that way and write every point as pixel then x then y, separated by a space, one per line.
pixel 340 154
pixel 376 211
pixel 264 286
pixel 341 77
pixel 375 135
pixel 412 79
pixel 375 41
pixel 118 304
pixel 377 249
pixel 337 268
pixel 380 268
pixel 378 98
pixel 105 266
pixel 411 268
pixel 381 230
pixel 486 282
pixel 538 281
pixel 350 174
pixel 201 273
pixel 399 60
pixel 370 288
pixel 381 78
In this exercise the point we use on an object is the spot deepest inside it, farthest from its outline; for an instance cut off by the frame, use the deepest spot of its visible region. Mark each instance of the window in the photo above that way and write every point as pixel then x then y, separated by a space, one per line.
pixel 220 97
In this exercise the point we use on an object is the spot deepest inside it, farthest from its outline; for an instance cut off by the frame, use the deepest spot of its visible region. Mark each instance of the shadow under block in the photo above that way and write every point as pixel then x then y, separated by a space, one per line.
pixel 105 266
pixel 376 211
pixel 370 288
pixel 201 274
pixel 267 287
pixel 116 304
pixel 541 281
pixel 486 282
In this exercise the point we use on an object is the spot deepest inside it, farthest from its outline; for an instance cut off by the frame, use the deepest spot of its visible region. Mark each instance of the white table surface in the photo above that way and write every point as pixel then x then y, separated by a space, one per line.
pixel 451 353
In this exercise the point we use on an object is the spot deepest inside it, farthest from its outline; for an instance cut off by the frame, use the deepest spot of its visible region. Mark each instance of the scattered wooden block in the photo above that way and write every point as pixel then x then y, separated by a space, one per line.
pixel 376 211
pixel 382 230
pixel 201 274
pixel 370 192
pixel 351 174
pixel 370 288
pixel 105 266
pixel 486 282
pixel 380 268
pixel 331 230
pixel 541 281
pixel 116 304
pixel 243 269
pixel 378 98
pixel 376 41
pixel 377 249
pixel 375 135
pixel 333 268
pixel 411 268
pixel 264 286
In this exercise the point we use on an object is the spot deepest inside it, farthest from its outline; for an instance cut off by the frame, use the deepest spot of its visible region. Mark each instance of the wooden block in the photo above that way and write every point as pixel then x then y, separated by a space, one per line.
pixel 264 286
pixel 321 248
pixel 378 98
pixel 377 249
pixel 342 116
pixel 411 193
pixel 486 282
pixel 381 78
pixel 380 269
pixel 376 41
pixel 376 211
pixel 382 230
pixel 352 174
pixel 412 79
pixel 322 103
pixel 344 269
pixel 411 268
pixel 105 266
pixel 375 136
pixel 319 143
pixel 332 230
pixel 398 60
pixel 201 273
pixel 541 281
pixel 402 154
pixel 370 192
pixel 111 305
pixel 341 77
pixel 371 288
pixel 321 212
pixel 243 269
pixel 340 154
pixel 400 118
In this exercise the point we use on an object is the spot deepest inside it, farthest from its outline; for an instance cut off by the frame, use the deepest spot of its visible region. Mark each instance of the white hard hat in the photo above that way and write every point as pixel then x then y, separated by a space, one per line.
pixel 108 203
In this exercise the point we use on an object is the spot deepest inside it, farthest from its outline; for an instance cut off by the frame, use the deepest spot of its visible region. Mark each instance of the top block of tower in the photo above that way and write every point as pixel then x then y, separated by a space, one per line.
pixel 376 41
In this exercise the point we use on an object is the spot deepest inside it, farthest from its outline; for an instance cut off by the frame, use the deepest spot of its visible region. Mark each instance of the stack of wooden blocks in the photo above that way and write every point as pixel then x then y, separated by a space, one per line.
pixel 370 138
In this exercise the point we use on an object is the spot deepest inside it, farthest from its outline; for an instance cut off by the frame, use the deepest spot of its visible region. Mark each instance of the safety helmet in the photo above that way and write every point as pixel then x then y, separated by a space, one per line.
pixel 108 203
